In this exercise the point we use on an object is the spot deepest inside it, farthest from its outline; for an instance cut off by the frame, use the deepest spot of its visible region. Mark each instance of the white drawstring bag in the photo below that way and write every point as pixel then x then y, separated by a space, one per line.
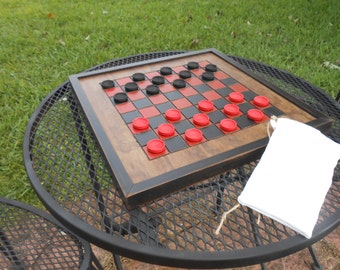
pixel 290 182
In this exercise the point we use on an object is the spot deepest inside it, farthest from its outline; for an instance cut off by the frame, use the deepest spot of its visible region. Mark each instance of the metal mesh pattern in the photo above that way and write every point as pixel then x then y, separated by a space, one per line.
pixel 30 241
pixel 66 159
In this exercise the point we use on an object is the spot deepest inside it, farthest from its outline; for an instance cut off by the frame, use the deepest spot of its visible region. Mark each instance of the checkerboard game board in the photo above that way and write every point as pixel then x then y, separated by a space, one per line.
pixel 167 123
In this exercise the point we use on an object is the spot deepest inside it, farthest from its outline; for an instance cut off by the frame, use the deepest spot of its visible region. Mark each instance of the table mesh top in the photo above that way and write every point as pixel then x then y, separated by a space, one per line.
pixel 68 164
pixel 30 241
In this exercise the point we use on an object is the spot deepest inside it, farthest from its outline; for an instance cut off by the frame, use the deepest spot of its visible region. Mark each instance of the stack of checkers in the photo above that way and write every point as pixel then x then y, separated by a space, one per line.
pixel 173 108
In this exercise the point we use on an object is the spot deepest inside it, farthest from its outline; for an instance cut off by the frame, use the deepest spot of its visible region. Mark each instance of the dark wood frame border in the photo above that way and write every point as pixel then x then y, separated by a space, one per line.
pixel 138 193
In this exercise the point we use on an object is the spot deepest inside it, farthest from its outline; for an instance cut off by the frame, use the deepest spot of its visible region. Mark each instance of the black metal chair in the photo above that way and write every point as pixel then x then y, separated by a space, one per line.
pixel 32 239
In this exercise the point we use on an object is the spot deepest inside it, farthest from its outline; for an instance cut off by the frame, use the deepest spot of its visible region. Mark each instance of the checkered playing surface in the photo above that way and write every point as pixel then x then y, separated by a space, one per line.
pixel 187 97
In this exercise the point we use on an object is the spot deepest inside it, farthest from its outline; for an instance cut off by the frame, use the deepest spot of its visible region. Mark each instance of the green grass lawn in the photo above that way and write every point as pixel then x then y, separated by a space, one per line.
pixel 43 42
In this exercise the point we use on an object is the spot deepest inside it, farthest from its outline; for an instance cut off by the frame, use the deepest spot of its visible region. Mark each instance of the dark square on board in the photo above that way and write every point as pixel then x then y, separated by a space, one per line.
pixel 270 111
pixel 202 88
pixel 143 137
pixel 224 92
pixel 245 107
pixel 182 126
pixel 216 116
pixel 229 81
pixel 249 95
pixel 175 144
pixel 220 103
pixel 142 103
pixel 164 107
pixel 173 95
pixel 211 132
pixel 195 99
pixel 243 121
pixel 156 121
pixel 129 116
pixel 190 111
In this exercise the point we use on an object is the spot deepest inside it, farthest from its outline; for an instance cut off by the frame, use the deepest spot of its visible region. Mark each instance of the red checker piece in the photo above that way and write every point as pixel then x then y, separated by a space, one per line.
pixel 155 146
pixel 201 119
pixel 173 115
pixel 193 135
pixel 206 105
pixel 140 123
pixel 166 130
pixel 255 115
pixel 231 109
pixel 236 97
pixel 261 101
pixel 228 125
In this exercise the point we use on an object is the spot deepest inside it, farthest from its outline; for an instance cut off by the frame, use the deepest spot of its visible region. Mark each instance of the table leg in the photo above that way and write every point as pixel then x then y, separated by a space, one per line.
pixel 92 174
pixel 118 262
pixel 316 265
pixel 146 229
pixel 89 163
pixel 95 263
pixel 256 233
pixel 219 199
pixel 144 233
pixel 227 178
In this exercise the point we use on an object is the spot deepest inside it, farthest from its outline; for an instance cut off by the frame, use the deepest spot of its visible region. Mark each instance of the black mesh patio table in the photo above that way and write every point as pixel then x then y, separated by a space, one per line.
pixel 32 239
pixel 67 170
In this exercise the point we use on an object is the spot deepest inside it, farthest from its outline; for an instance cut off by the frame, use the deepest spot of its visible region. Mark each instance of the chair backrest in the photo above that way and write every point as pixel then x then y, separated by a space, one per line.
pixel 32 239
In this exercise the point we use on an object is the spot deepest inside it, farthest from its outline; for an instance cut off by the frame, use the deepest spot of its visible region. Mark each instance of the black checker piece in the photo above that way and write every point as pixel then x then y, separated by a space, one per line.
pixel 152 90
pixel 185 74
pixel 138 77
pixel 107 84
pixel 158 80
pixel 131 86
pixel 119 98
pixel 193 65
pixel 179 83
pixel 208 76
pixel 166 71
pixel 211 68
